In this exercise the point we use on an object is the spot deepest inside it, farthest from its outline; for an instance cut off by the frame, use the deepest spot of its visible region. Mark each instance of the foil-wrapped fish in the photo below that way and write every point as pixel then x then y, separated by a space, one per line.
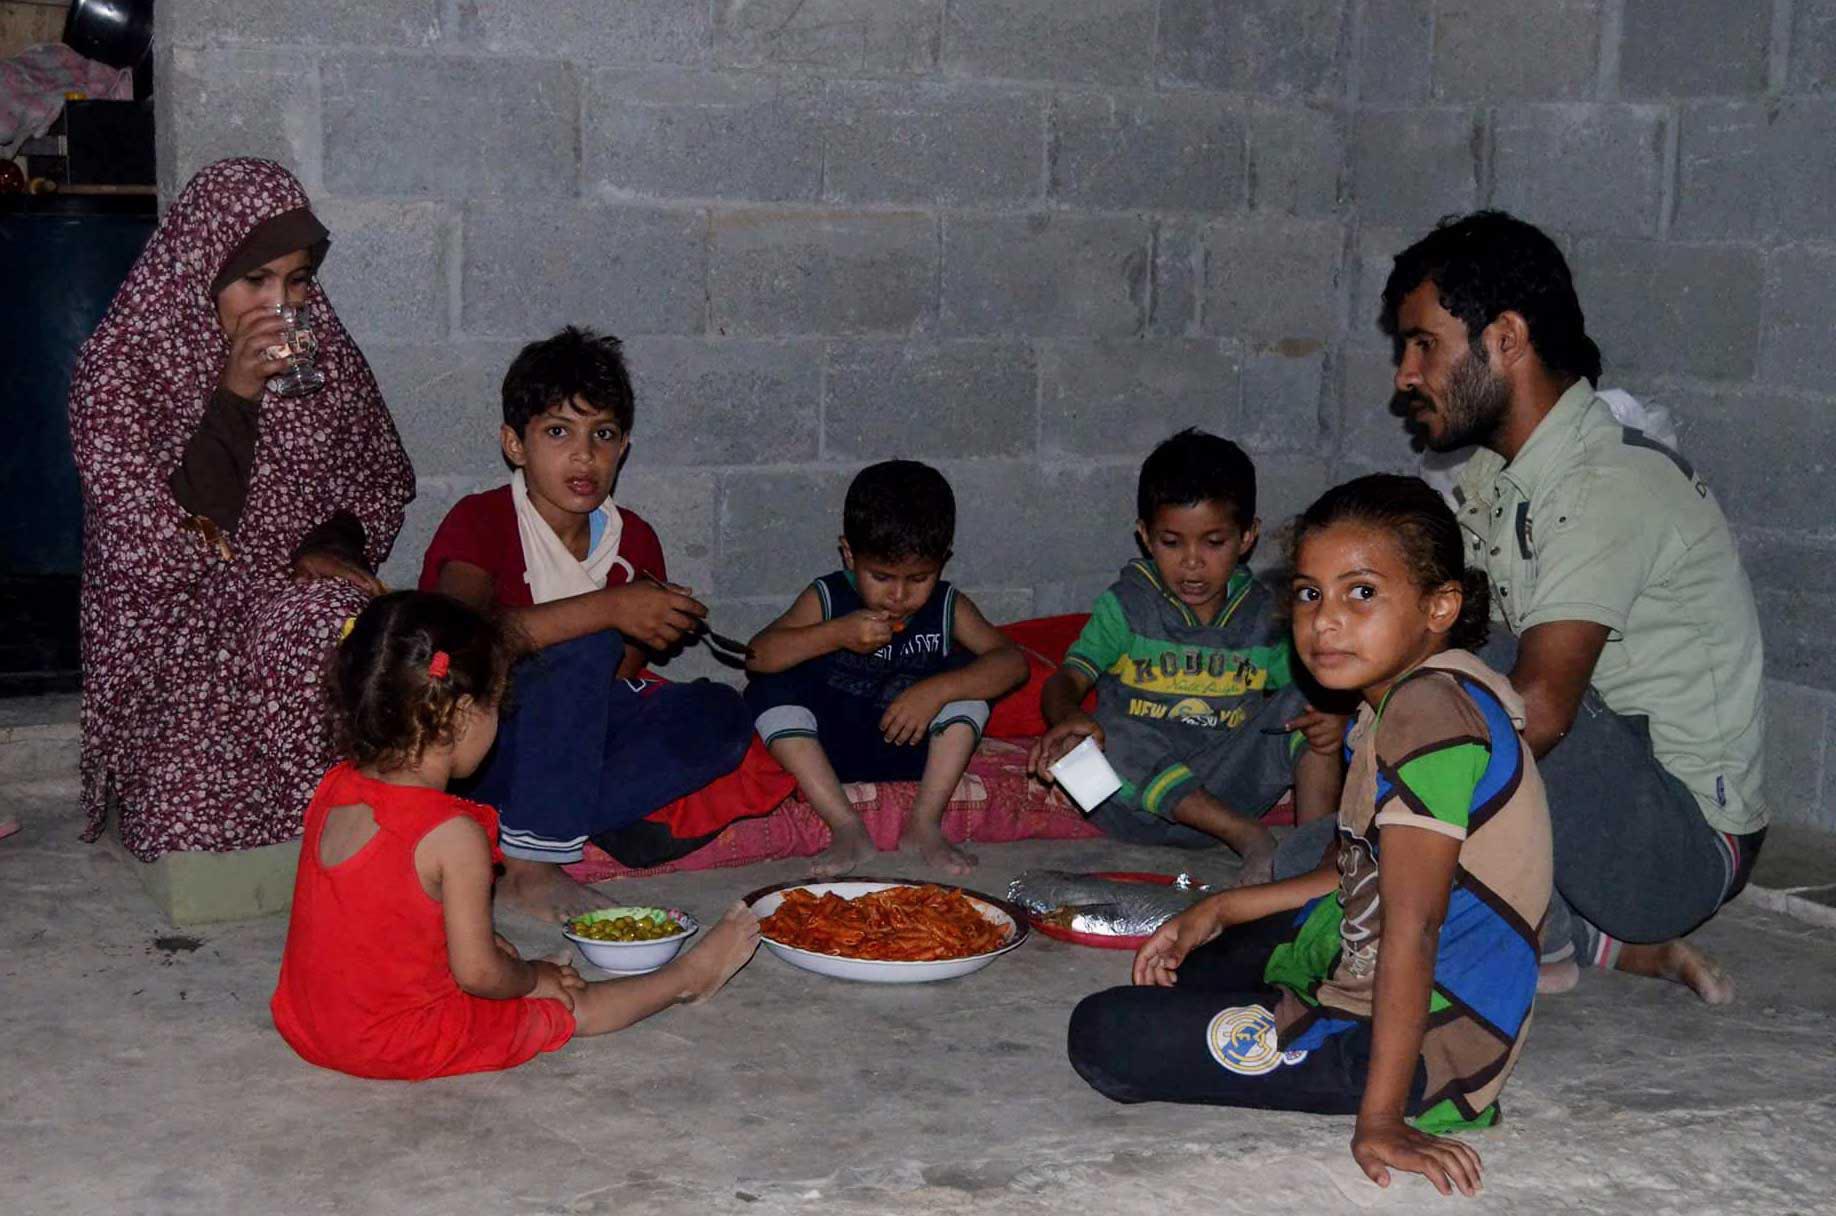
pixel 1104 907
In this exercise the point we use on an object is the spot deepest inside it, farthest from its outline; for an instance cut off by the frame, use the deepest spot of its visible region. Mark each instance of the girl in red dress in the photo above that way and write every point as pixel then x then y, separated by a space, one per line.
pixel 391 967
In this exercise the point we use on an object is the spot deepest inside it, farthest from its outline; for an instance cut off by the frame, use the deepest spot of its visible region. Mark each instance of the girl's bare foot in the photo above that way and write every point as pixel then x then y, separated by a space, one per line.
pixel 849 846
pixel 721 954
pixel 1680 963
pixel 544 890
pixel 1557 977
pixel 936 850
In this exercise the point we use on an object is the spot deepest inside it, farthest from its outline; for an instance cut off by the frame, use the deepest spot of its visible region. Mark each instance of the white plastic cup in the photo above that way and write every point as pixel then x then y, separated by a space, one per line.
pixel 1085 774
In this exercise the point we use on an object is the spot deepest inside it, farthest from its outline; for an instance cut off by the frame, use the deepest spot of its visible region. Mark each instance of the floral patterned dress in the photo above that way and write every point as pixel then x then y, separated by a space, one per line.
pixel 203 719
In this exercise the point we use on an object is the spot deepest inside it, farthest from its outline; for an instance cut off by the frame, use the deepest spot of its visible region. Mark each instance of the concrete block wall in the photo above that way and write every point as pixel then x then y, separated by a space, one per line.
pixel 1024 239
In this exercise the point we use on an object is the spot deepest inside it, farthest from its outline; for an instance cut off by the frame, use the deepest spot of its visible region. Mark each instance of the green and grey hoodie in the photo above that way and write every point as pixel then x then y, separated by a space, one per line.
pixel 1173 690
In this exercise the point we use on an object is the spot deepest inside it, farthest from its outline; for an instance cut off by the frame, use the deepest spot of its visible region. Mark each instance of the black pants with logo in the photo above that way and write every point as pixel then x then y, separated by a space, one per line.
pixel 1210 1039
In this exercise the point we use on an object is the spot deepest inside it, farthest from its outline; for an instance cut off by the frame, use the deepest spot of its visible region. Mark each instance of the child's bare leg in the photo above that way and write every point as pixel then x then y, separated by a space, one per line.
pixel 1318 781
pixel 1253 842
pixel 543 890
pixel 690 977
pixel 944 766
pixel 849 843
pixel 1681 963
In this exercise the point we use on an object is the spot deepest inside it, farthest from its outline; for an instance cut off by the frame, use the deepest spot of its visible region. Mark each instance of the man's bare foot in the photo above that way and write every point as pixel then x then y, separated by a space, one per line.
pixel 1680 963
pixel 721 954
pixel 1258 863
pixel 544 890
pixel 938 851
pixel 849 846
pixel 1558 977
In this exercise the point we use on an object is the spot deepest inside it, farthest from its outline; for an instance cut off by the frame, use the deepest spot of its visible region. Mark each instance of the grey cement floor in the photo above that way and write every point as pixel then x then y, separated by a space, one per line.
pixel 142 1075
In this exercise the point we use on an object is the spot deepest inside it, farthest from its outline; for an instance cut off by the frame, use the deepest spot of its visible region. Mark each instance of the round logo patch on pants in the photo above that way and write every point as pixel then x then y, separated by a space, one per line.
pixel 1243 1040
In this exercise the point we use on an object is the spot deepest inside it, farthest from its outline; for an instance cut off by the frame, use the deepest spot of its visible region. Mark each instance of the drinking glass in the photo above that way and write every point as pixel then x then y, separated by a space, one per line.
pixel 301 347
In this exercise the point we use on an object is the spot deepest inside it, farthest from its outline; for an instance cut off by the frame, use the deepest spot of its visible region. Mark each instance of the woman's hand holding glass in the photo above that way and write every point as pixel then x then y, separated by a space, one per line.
pixel 259 336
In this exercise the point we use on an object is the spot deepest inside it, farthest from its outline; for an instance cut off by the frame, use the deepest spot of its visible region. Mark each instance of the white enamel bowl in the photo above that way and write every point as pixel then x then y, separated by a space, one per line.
pixel 765 901
pixel 631 958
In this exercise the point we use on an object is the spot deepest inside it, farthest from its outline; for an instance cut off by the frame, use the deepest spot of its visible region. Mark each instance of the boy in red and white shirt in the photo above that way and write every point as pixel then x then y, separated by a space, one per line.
pixel 587 748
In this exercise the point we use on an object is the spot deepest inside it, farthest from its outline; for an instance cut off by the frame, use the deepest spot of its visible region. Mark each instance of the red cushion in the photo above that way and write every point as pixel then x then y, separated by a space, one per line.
pixel 1043 640
pixel 1050 636
pixel 756 787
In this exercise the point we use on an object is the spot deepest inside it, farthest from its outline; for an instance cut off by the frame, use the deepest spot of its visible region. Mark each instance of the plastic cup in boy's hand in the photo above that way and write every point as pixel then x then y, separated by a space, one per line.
pixel 1059 740
pixel 1086 775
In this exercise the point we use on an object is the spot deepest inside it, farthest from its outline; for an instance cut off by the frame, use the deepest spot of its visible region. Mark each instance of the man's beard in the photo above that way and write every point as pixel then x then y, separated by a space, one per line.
pixel 1477 401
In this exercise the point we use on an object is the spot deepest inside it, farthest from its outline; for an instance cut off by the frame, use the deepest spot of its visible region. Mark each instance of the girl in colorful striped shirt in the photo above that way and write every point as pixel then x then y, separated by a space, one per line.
pixel 1402 990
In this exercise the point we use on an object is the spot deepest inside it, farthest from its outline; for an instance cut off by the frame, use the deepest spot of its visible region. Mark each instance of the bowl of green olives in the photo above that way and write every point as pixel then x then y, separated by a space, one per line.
pixel 630 940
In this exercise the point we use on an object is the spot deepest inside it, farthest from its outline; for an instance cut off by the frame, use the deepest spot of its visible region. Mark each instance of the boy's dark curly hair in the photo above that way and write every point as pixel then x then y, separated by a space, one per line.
pixel 899 509
pixel 1196 466
pixel 388 703
pixel 1426 532
pixel 1488 263
pixel 575 364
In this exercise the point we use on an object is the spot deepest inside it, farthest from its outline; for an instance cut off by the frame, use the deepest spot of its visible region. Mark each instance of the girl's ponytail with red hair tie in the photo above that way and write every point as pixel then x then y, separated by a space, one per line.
pixel 439 665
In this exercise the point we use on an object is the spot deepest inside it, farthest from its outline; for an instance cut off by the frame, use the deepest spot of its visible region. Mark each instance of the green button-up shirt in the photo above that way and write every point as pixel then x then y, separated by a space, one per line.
pixel 1593 521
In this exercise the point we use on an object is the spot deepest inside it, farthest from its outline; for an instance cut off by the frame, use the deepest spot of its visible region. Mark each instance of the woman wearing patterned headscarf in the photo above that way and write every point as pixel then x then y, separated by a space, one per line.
pixel 229 533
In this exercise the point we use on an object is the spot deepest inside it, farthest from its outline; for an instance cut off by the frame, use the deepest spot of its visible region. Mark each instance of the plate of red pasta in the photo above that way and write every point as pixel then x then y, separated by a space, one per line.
pixel 885 930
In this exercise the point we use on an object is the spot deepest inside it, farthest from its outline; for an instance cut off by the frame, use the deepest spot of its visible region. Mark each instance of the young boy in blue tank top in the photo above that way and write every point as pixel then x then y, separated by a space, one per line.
pixel 882 671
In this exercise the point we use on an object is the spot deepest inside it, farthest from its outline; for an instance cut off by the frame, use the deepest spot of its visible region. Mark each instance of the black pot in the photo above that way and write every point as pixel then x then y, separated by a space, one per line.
pixel 115 32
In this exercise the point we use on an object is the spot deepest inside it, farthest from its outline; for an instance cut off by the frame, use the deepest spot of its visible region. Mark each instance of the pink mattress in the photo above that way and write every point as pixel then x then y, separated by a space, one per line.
pixel 996 802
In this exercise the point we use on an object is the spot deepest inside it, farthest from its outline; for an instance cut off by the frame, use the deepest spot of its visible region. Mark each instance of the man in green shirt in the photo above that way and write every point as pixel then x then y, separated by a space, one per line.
pixel 1630 628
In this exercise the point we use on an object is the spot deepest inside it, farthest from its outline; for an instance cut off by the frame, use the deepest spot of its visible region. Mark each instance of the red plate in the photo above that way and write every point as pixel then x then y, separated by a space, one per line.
pixel 1104 941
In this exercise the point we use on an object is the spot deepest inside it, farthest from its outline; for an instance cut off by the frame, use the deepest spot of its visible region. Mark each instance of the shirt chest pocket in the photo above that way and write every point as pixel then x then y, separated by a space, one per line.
pixel 1511 559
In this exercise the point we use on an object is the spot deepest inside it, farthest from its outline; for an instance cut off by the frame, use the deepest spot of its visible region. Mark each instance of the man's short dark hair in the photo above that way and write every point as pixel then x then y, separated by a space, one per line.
pixel 574 364
pixel 1196 466
pixel 1489 263
pixel 900 509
